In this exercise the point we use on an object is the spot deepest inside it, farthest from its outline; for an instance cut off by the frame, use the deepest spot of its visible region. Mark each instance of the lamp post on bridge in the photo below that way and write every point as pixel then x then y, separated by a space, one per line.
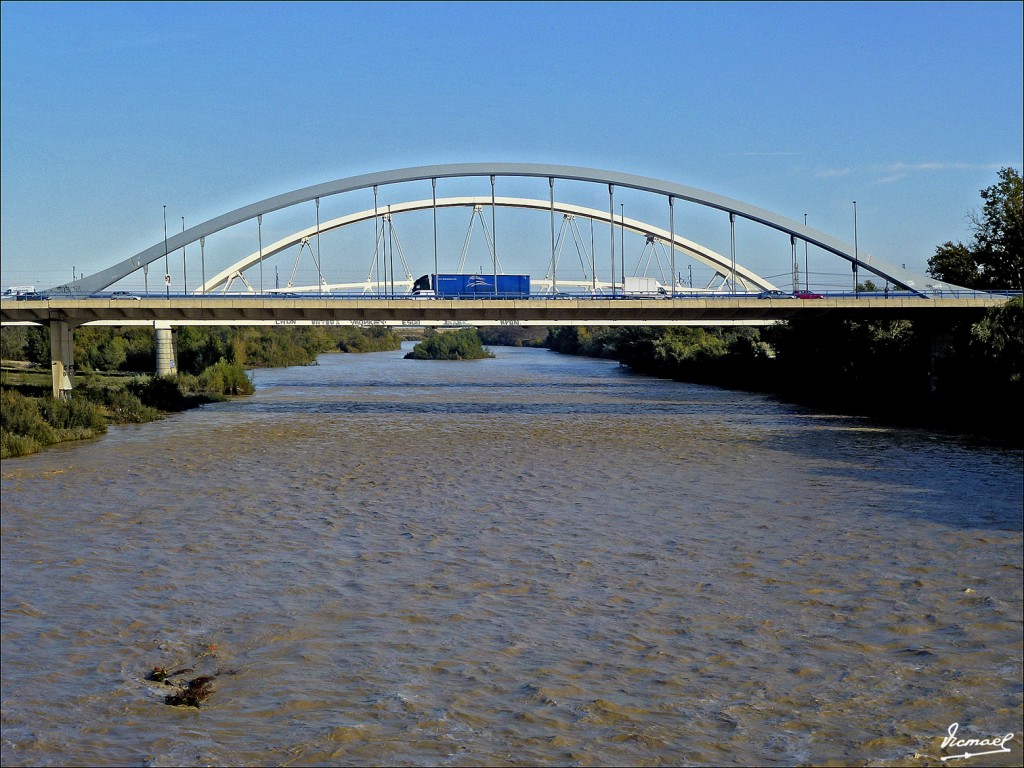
pixel 167 271
pixel 732 252
pixel 856 256
pixel 611 216
pixel 391 250
pixel 433 187
pixel 494 239
pixel 377 238
pixel 807 285
pixel 319 269
pixel 259 230
pixel 551 218
pixel 184 273
pixel 672 243
pixel 622 242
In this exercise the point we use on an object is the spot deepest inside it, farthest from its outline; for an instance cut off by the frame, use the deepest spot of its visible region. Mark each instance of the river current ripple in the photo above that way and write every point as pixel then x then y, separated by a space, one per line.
pixel 531 560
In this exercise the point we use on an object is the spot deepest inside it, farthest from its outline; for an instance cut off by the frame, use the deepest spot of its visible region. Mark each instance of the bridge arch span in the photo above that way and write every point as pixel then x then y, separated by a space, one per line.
pixel 902 278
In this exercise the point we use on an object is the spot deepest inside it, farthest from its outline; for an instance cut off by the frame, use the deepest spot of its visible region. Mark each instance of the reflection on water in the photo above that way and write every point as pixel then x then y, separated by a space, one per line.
pixel 528 560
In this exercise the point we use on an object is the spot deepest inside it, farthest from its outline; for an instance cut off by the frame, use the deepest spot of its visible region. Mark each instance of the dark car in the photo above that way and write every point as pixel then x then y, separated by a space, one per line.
pixel 773 295
pixel 807 295
pixel 31 296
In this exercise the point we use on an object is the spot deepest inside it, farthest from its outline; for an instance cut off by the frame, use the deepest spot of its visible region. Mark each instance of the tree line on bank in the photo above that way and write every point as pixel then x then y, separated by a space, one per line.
pixel 133 349
pixel 953 374
pixel 957 376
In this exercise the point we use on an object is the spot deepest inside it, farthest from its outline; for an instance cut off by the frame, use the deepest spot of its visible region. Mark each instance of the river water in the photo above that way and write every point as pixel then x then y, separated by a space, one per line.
pixel 530 560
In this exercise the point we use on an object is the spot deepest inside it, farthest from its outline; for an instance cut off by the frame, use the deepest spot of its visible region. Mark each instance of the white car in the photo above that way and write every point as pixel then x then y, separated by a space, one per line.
pixel 124 295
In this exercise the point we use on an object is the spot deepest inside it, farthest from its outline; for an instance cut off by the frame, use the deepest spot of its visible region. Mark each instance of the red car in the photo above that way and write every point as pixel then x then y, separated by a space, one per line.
pixel 807 295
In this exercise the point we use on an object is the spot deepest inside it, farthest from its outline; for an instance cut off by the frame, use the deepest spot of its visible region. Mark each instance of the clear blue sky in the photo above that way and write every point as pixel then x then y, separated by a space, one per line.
pixel 111 111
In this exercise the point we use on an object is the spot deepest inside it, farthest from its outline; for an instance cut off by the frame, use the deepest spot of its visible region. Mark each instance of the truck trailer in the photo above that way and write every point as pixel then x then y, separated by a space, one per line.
pixel 643 286
pixel 472 286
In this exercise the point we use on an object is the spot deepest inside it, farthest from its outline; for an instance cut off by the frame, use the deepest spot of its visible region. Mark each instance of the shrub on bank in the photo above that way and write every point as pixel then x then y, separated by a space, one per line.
pixel 22 423
pixel 120 406
pixel 76 415
pixel 12 445
pixel 28 425
pixel 160 392
pixel 226 379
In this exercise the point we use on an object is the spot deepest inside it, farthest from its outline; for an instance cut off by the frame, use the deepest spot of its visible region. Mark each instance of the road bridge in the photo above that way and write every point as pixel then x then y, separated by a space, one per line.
pixel 603 302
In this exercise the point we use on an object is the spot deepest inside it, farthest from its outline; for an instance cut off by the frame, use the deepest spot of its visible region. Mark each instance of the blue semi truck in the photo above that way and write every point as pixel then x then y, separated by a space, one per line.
pixel 475 286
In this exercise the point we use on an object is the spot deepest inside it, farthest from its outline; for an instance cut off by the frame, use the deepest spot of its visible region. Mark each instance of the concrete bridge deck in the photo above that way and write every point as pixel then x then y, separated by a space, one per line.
pixel 218 310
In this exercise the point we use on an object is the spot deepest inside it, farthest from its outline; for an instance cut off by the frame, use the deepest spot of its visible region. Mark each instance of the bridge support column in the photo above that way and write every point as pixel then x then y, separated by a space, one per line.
pixel 165 350
pixel 62 361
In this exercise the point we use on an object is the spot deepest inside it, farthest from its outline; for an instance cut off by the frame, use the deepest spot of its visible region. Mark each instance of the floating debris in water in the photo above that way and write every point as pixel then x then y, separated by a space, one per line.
pixel 160 675
pixel 189 692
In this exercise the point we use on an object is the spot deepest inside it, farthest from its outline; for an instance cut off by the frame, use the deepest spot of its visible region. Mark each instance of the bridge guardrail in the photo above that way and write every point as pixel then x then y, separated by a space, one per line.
pixel 937 294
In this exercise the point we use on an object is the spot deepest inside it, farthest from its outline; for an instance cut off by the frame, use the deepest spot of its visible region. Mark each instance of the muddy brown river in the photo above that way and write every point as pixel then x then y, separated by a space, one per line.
pixel 531 560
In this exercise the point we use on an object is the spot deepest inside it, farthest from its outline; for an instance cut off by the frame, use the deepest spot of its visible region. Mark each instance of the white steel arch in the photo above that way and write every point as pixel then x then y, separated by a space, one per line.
pixel 900 277
pixel 721 264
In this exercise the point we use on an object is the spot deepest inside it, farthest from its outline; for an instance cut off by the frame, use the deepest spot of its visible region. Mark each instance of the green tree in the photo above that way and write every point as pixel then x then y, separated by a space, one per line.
pixel 37 347
pixel 1000 336
pixel 994 259
pixel 13 342
pixel 999 233
pixel 955 263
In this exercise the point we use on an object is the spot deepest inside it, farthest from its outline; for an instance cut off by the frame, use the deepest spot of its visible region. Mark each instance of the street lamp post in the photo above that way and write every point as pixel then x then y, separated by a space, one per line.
pixel 184 273
pixel 433 188
pixel 807 285
pixel 551 219
pixel 732 252
pixel 622 242
pixel 391 250
pixel 856 255
pixel 672 244
pixel 377 238
pixel 611 215
pixel 259 228
pixel 319 269
pixel 494 240
pixel 167 271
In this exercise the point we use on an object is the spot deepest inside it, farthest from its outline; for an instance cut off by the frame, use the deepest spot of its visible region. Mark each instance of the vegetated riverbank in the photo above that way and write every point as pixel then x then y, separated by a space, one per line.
pixel 31 419
pixel 109 389
pixel 958 377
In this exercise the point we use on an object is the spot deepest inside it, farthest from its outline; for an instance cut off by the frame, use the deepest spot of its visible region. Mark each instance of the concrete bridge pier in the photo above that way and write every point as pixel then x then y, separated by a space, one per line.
pixel 166 350
pixel 62 360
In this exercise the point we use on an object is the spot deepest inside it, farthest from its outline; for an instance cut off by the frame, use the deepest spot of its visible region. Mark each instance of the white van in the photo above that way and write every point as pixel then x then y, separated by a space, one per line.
pixel 15 291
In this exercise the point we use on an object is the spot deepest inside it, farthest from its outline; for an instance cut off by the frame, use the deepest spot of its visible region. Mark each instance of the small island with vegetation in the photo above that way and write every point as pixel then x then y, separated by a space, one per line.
pixel 463 344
